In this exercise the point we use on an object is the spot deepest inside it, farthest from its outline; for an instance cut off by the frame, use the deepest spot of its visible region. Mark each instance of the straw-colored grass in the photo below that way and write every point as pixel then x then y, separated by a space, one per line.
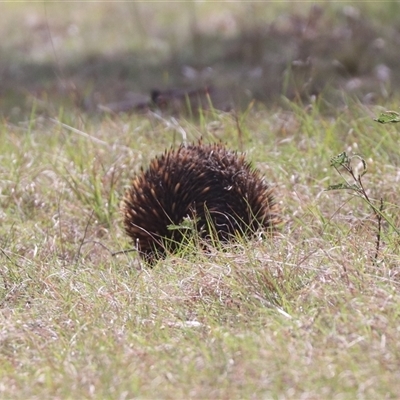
pixel 310 314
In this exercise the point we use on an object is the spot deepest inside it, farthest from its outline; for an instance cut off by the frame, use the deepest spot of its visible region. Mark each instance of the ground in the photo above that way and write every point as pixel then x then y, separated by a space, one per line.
pixel 312 313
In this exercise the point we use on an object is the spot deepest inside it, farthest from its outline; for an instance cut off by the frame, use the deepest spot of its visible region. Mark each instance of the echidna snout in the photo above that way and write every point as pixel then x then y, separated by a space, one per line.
pixel 215 186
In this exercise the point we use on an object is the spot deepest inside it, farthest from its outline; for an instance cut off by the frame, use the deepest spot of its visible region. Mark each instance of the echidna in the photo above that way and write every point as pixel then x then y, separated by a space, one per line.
pixel 216 187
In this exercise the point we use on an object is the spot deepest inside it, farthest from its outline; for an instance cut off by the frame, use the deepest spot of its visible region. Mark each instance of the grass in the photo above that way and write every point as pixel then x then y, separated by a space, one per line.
pixel 309 314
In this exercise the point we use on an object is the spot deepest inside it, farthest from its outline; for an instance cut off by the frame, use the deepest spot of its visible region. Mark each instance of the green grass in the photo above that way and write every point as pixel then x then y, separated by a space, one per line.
pixel 308 314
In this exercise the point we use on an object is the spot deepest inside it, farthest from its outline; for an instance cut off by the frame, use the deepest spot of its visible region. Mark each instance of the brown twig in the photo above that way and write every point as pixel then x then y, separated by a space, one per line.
pixel 378 234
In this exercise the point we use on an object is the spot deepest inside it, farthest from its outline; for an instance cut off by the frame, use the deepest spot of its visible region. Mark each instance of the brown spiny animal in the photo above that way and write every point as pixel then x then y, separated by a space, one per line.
pixel 215 187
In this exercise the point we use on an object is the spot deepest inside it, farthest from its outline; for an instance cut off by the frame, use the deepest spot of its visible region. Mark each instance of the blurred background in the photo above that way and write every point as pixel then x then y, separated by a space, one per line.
pixel 114 57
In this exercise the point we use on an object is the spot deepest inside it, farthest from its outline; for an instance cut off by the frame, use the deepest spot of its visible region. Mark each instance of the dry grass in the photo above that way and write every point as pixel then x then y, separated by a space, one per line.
pixel 307 315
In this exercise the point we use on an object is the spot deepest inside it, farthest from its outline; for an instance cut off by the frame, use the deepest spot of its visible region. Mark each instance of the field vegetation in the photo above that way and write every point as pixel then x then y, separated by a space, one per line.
pixel 313 313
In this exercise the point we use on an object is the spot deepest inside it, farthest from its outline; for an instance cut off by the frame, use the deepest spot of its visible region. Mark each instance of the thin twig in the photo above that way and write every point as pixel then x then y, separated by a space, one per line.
pixel 3 275
pixel 378 234
pixel 60 230
pixel 239 130
pixel 115 253
pixel 87 136
pixel 97 242
pixel 84 236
